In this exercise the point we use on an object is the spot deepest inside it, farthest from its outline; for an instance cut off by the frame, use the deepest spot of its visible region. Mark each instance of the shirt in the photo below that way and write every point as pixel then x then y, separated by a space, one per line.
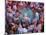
pixel 27 12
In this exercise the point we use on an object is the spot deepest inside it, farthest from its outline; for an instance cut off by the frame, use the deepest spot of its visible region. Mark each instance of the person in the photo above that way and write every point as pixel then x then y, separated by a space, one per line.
pixel 35 13
pixel 25 11
pixel 35 24
pixel 42 23
pixel 20 29
pixel 14 7
pixel 10 2
pixel 31 28
pixel 9 14
pixel 13 28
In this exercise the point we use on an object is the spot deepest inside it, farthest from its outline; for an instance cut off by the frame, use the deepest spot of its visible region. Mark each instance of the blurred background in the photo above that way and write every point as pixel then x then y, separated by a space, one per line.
pixel 24 17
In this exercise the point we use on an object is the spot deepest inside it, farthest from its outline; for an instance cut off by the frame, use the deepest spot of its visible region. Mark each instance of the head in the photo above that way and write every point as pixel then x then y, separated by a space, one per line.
pixel 10 1
pixel 9 9
pixel 33 9
pixel 25 24
pixel 31 5
pixel 14 7
pixel 24 4
pixel 17 13
pixel 20 5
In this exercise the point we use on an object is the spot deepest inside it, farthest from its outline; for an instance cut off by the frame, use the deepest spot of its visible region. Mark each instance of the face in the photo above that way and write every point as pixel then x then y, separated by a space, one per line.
pixel 9 9
pixel 17 14
pixel 33 9
pixel 24 4
pixel 26 18
pixel 39 9
pixel 24 25
pixel 31 5
pixel 10 1
pixel 14 7
pixel 20 5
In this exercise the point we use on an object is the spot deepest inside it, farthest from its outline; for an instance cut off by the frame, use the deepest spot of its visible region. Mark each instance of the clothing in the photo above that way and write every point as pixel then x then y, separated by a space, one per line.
pixel 27 12
pixel 22 30
pixel 37 15
pixel 10 16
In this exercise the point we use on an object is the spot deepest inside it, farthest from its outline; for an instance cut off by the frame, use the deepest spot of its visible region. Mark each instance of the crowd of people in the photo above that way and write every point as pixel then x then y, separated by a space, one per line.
pixel 24 17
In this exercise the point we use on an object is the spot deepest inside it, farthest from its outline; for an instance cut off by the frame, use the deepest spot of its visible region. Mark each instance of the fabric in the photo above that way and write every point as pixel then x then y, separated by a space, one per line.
pixel 27 12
